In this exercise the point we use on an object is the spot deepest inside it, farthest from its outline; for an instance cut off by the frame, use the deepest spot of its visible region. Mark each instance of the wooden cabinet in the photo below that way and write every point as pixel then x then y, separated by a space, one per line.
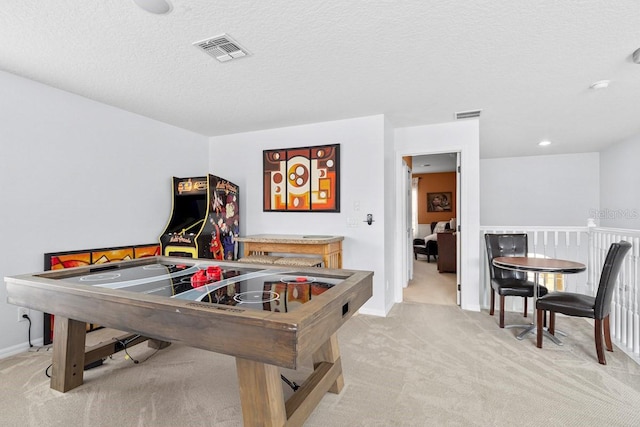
pixel 447 252
pixel 328 247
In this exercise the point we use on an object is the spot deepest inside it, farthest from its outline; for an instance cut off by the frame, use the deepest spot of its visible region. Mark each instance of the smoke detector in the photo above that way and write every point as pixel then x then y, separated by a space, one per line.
pixel 472 114
pixel 222 47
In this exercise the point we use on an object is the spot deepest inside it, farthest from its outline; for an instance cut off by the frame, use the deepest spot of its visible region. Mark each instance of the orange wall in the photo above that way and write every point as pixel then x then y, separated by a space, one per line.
pixel 435 183
pixel 408 160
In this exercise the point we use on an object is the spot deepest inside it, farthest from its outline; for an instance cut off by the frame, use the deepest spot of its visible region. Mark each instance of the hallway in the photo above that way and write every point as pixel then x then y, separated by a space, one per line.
pixel 429 286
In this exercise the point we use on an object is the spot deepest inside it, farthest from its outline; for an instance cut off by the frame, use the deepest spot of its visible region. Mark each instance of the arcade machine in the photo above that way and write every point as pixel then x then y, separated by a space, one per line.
pixel 204 220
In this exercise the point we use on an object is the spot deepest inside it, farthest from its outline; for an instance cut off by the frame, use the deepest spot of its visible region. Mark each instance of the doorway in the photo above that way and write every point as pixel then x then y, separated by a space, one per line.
pixel 433 205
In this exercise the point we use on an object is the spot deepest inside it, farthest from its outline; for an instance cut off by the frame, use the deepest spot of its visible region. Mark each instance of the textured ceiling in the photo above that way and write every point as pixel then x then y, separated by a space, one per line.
pixel 527 65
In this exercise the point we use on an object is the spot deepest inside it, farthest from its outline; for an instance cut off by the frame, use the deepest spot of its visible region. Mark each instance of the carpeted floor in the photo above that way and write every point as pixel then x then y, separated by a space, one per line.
pixel 423 365
pixel 430 286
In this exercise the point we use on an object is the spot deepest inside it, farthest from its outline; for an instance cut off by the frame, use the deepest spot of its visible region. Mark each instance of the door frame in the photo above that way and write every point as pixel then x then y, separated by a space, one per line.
pixel 407 225
pixel 407 258
pixel 460 136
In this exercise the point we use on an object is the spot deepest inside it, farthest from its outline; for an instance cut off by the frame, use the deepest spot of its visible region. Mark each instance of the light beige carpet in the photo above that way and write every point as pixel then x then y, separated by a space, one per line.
pixel 429 286
pixel 423 365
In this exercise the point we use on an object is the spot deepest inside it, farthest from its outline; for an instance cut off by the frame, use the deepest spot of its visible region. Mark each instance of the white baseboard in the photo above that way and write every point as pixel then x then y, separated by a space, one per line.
pixel 371 312
pixel 472 307
pixel 19 348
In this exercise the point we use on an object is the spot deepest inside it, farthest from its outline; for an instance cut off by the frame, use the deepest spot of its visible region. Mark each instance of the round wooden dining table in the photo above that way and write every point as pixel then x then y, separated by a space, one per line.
pixel 537 266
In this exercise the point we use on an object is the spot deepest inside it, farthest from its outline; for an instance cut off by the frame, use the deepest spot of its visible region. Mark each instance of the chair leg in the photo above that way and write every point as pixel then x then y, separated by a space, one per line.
pixel 539 332
pixel 502 311
pixel 607 333
pixel 552 322
pixel 526 307
pixel 493 302
pixel 598 338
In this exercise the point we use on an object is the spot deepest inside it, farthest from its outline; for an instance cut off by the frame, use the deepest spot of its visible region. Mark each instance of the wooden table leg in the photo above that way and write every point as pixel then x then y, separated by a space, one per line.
pixel 68 354
pixel 330 352
pixel 261 394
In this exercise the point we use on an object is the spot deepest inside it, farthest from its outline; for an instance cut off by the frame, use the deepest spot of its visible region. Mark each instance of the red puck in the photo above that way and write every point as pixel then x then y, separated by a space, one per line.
pixel 214 272
pixel 198 279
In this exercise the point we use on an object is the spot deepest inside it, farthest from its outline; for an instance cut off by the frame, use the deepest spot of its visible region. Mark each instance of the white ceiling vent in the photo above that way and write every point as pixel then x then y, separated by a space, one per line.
pixel 472 114
pixel 222 47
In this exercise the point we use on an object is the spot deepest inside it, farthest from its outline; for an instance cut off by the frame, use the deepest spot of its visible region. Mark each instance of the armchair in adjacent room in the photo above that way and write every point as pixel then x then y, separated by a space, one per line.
pixel 429 245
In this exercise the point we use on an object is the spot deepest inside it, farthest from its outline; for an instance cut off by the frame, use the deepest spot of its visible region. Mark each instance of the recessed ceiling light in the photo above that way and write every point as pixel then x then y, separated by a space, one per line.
pixel 158 7
pixel 601 84
pixel 544 143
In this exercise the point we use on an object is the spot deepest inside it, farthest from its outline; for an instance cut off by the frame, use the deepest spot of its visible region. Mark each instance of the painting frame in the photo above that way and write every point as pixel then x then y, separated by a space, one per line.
pixel 302 179
pixel 440 201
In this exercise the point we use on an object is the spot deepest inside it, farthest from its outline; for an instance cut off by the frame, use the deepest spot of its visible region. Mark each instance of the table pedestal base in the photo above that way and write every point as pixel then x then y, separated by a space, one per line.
pixel 531 329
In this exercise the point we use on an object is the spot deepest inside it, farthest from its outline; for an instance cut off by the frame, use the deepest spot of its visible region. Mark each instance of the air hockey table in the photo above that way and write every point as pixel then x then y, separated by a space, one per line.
pixel 266 317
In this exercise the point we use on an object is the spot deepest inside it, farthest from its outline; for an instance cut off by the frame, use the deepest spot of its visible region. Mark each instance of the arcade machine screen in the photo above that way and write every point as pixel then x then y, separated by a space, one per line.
pixel 191 216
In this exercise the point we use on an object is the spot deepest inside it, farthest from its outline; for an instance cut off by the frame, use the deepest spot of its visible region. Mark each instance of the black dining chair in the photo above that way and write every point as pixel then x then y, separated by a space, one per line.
pixel 508 282
pixel 579 305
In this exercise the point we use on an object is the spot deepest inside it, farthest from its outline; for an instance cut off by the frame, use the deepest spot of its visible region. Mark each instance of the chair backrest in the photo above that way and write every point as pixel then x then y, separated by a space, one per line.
pixel 512 244
pixel 610 270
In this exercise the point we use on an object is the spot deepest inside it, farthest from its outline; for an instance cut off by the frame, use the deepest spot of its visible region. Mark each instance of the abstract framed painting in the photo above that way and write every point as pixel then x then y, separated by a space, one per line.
pixel 304 179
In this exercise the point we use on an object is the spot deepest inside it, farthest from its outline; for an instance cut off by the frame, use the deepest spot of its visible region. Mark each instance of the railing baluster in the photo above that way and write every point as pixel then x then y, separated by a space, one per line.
pixel 628 301
pixel 622 302
pixel 634 295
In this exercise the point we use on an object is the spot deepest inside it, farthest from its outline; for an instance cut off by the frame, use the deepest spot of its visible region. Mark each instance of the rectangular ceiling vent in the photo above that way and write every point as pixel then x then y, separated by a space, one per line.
pixel 222 47
pixel 468 114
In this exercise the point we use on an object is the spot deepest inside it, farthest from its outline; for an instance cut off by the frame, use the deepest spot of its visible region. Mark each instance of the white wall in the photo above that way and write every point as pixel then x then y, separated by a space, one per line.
pixel 78 174
pixel 462 137
pixel 238 158
pixel 620 185
pixel 556 190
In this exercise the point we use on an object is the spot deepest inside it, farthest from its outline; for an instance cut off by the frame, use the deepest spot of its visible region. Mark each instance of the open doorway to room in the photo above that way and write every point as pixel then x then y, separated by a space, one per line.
pixel 434 208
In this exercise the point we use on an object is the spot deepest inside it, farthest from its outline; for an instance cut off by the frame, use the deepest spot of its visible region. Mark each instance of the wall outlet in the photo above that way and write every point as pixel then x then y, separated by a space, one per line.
pixel 21 312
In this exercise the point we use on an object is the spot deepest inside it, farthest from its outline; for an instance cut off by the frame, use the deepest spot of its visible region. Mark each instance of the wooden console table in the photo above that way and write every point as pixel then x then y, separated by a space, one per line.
pixel 329 247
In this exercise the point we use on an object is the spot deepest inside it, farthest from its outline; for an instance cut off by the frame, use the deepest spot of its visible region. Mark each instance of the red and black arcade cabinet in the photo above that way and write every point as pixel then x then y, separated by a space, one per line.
pixel 204 220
